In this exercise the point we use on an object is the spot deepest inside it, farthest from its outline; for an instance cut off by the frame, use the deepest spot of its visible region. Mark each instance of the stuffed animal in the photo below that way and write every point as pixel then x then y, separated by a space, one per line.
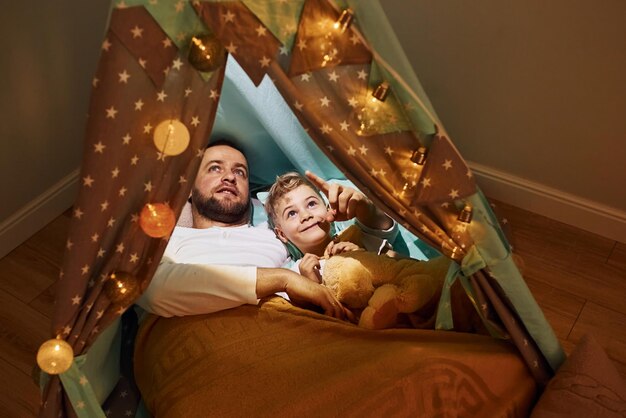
pixel 382 288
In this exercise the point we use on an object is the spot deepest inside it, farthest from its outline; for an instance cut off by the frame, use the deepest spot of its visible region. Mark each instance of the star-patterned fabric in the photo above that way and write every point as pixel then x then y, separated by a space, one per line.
pixel 326 76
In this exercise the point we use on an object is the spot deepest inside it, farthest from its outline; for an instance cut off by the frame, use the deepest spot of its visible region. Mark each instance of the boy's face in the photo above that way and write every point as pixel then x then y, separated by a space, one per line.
pixel 301 218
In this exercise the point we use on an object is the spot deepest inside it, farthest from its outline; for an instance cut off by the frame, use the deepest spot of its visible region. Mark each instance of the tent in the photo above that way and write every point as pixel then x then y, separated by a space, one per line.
pixel 310 84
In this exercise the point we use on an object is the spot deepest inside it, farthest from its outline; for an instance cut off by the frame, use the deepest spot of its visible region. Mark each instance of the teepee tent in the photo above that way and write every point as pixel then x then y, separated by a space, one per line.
pixel 307 84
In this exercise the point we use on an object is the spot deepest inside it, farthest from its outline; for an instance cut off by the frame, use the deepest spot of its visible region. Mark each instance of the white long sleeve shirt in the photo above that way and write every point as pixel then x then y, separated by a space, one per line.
pixel 209 270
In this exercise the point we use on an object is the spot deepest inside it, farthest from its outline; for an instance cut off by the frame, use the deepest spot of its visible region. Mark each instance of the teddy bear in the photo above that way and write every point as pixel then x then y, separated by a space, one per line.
pixel 382 288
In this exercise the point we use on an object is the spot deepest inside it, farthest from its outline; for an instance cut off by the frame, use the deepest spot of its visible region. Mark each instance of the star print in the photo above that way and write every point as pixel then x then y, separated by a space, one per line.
pixel 147 128
pixel 301 44
pixel 167 42
pixel 133 258
pixel 283 50
pixel 353 102
pixel 298 105
pixel 454 193
pixel 104 205
pixel 195 121
pixel 120 248
pixel 134 217
pixel 362 75
pixel 69 244
pixel 101 253
pixel 333 76
pixel 445 205
pixel 425 182
pixel 469 174
pixel 110 222
pixel 182 180
pixel 94 237
pixel 161 96
pixel 351 151
pixel 344 125
pixel 373 172
pixel 95 82
pixel 87 181
pixel 106 45
pixel 177 63
pixel 326 129
pixel 188 91
pixel 231 48
pixel 78 213
pixel 265 62
pixel 115 172
pixel 228 17
pixel 355 39
pixel 305 77
pixel 85 269
pixel 111 112
pixel 447 164
pixel 137 32
pixel 143 62
pixel 363 149
pixel 181 36
pixel 261 31
pixel 324 101
pixel 67 330
pixel 139 104
pixel 76 300
pixel 122 192
pixel 214 95
pixel 147 187
pixel 126 139
pixel 124 76
pixel 161 156
pixel 388 151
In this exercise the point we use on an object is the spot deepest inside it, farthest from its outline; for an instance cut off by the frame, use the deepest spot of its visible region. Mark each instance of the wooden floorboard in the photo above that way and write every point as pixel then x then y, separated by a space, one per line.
pixel 578 279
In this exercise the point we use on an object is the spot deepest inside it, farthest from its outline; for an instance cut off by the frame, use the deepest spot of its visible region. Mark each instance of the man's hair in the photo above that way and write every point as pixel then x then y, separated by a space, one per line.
pixel 225 141
pixel 283 185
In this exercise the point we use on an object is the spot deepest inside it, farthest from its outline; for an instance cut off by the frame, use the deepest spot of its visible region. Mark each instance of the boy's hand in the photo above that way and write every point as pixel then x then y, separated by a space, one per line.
pixel 334 248
pixel 345 202
pixel 310 267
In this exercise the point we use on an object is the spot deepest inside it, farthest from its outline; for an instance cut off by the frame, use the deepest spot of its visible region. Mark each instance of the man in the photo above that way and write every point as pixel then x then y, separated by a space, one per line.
pixel 223 261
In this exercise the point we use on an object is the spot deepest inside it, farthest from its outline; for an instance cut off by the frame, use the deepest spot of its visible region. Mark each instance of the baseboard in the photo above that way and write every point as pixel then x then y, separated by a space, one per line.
pixel 534 197
pixel 38 213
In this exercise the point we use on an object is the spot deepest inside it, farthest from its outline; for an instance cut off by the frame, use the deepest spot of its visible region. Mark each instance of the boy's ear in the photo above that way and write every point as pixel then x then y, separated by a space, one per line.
pixel 280 234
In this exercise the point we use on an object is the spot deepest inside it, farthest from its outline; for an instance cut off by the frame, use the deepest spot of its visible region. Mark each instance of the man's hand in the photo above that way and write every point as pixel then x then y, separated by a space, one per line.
pixel 310 267
pixel 300 289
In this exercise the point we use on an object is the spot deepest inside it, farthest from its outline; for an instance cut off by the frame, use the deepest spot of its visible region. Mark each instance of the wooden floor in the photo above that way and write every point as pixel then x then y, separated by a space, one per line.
pixel 578 278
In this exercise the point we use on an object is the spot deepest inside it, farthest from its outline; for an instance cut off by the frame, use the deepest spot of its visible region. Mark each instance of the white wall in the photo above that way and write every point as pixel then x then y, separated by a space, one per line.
pixel 533 93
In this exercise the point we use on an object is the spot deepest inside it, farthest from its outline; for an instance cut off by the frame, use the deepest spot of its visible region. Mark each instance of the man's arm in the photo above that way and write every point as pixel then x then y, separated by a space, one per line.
pixel 192 289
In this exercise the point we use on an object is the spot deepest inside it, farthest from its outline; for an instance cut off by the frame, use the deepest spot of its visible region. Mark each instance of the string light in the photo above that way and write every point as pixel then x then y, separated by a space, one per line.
pixel 157 219
pixel 419 156
pixel 328 46
pixel 55 356
pixel 466 214
pixel 121 288
pixel 206 53
pixel 171 137
pixel 371 115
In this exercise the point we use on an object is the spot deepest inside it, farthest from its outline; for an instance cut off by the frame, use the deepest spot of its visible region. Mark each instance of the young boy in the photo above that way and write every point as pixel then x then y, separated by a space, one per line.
pixel 301 219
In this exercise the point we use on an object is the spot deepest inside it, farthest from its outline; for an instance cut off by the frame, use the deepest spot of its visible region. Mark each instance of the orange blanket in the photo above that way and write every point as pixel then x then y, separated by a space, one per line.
pixel 281 361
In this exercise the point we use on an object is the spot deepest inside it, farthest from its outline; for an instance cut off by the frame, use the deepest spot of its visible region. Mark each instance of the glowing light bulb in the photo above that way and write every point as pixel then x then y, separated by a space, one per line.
pixel 55 356
pixel 171 137
pixel 419 156
pixel 157 220
pixel 121 288
pixel 372 114
pixel 332 30
pixel 206 53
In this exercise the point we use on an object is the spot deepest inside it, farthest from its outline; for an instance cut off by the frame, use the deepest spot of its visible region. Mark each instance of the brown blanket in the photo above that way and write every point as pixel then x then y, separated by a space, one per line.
pixel 281 361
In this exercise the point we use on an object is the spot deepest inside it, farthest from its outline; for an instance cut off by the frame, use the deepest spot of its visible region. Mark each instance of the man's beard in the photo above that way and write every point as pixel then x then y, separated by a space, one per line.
pixel 216 210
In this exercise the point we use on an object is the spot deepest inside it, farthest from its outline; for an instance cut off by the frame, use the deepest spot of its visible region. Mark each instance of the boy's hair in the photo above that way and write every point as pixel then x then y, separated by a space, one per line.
pixel 283 185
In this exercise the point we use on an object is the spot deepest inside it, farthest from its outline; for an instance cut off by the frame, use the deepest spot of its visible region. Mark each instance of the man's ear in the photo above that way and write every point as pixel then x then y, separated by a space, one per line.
pixel 280 234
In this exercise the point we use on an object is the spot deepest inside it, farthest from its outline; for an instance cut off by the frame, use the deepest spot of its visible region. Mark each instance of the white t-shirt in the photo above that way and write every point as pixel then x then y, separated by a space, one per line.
pixel 212 269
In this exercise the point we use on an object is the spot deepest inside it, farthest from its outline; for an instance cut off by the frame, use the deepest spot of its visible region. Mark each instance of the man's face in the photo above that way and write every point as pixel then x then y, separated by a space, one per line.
pixel 221 190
